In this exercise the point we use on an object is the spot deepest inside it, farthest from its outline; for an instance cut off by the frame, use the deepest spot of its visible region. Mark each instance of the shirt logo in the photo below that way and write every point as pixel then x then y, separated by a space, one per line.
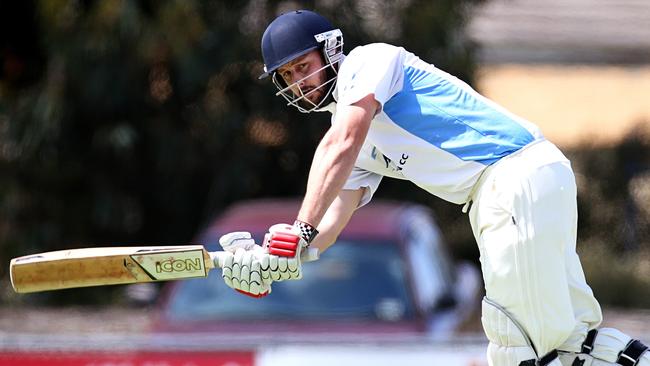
pixel 388 163
pixel 350 85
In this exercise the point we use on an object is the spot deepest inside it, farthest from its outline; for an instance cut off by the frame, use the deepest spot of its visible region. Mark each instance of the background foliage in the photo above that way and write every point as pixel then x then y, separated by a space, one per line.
pixel 135 122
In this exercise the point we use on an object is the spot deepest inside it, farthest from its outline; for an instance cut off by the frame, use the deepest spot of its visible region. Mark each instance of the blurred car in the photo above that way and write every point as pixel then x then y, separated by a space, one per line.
pixel 388 273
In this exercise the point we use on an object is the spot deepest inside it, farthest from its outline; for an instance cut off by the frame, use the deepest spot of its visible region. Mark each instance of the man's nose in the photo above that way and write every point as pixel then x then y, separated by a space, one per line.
pixel 299 77
pixel 299 82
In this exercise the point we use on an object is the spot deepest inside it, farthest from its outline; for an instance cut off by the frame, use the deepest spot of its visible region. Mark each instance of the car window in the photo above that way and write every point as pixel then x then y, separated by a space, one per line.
pixel 352 280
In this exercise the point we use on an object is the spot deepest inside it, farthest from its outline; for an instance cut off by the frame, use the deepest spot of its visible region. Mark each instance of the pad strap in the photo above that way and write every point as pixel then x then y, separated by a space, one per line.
pixel 588 344
pixel 632 353
pixel 545 360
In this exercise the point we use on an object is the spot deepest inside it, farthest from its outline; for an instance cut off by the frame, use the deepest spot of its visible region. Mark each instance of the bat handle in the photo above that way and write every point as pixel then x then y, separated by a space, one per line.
pixel 308 255
pixel 219 258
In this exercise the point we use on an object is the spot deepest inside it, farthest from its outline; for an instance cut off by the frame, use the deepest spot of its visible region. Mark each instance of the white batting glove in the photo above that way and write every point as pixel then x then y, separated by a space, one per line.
pixel 285 244
pixel 241 269
pixel 237 239
pixel 276 268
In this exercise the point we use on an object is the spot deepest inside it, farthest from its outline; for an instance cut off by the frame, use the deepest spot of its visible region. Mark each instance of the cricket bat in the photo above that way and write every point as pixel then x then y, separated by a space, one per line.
pixel 115 266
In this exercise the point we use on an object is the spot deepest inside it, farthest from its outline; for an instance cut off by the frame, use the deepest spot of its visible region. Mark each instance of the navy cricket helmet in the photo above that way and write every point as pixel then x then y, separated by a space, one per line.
pixel 292 35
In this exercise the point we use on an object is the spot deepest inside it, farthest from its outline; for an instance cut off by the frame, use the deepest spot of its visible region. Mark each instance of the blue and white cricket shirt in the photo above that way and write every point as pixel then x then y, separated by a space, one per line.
pixel 433 129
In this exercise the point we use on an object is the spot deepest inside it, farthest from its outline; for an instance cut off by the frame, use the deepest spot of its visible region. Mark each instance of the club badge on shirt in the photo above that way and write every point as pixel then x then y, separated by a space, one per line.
pixel 388 162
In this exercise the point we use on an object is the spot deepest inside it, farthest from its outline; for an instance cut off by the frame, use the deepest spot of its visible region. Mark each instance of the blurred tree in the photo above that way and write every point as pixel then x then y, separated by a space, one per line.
pixel 133 122
pixel 614 217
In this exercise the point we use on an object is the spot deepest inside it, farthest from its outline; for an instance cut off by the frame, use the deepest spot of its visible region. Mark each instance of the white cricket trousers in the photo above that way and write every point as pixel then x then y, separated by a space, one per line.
pixel 524 219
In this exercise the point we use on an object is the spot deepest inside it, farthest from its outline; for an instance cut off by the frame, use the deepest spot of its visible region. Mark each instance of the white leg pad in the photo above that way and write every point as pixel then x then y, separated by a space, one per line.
pixel 509 345
pixel 608 344
pixel 569 359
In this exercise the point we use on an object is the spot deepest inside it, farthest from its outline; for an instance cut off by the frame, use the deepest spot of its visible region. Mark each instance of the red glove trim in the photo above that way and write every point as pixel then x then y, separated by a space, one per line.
pixel 251 295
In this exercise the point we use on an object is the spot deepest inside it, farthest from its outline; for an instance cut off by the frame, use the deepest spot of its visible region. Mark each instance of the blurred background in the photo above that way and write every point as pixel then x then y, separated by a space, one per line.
pixel 138 122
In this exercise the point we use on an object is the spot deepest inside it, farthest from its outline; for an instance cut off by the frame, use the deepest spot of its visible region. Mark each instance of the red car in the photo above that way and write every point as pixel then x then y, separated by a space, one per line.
pixel 389 273
pixel 382 295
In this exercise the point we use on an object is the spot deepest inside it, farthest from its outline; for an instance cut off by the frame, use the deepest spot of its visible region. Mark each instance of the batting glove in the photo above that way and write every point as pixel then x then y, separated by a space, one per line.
pixel 241 268
pixel 285 244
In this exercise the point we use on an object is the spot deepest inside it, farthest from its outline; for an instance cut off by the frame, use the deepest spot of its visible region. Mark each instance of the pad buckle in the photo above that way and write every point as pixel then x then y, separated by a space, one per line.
pixel 545 360
pixel 632 353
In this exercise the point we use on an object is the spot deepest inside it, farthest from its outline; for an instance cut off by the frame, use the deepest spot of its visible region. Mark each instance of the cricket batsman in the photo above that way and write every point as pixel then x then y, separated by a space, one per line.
pixel 398 116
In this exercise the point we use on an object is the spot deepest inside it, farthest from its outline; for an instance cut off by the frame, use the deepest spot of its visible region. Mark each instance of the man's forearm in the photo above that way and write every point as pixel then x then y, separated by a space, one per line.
pixel 335 157
pixel 330 168
pixel 336 218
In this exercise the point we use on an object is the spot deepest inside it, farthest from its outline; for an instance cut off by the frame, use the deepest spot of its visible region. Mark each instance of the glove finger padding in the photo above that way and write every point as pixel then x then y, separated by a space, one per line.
pixel 277 269
pixel 226 269
pixel 255 281
pixel 242 272
pixel 265 269
pixel 242 267
pixel 245 270
pixel 236 267
pixel 283 268
pixel 257 286
pixel 294 269
pixel 273 267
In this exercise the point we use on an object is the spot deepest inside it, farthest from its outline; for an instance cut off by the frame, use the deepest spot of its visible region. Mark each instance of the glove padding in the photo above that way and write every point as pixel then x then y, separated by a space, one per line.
pixel 242 272
pixel 237 239
pixel 275 268
pixel 241 269
pixel 249 269
pixel 285 244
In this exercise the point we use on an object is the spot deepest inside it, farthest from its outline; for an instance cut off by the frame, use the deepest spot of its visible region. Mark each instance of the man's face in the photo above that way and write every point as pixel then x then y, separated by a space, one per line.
pixel 297 70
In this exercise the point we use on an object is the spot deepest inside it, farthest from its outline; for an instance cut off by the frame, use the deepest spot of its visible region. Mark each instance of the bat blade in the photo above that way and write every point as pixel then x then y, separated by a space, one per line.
pixel 108 266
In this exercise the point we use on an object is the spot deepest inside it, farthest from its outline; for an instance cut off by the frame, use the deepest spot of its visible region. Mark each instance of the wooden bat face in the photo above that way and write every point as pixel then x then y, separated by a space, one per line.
pixel 107 266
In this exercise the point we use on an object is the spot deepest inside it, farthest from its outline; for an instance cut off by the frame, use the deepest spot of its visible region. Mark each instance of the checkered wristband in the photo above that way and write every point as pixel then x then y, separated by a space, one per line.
pixel 307 232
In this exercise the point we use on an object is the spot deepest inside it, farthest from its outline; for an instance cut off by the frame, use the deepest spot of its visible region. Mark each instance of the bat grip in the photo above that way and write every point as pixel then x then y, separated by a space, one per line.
pixel 307 255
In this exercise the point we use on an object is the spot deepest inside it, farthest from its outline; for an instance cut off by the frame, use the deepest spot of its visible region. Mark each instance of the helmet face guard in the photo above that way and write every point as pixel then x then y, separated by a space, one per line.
pixel 332 53
pixel 292 35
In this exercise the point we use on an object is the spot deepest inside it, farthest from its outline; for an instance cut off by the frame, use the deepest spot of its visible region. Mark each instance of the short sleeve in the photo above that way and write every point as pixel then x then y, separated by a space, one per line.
pixel 361 178
pixel 372 69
